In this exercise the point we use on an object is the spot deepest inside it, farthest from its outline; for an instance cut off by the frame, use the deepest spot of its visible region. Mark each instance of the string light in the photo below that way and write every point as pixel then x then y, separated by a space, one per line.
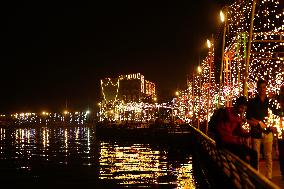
pixel 266 56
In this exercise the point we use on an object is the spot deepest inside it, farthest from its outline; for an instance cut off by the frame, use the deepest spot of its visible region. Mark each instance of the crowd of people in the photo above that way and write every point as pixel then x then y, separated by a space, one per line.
pixel 248 145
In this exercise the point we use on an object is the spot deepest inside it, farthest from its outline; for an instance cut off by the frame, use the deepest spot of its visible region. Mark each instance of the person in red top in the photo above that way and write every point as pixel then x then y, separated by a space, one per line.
pixel 231 133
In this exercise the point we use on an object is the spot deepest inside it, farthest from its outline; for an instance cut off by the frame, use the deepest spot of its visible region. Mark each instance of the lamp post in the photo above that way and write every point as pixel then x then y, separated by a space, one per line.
pixel 199 69
pixel 65 116
pixel 174 115
pixel 223 19
pixel 209 84
pixel 193 99
pixel 100 111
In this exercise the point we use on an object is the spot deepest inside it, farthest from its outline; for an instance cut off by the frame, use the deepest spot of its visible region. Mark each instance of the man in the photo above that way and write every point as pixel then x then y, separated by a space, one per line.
pixel 257 111
pixel 231 133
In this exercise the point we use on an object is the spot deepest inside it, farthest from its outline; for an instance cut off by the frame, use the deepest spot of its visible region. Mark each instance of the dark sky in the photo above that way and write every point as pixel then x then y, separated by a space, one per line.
pixel 54 52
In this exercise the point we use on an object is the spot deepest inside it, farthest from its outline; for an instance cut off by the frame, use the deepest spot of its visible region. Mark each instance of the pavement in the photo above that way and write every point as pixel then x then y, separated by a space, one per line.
pixel 276 174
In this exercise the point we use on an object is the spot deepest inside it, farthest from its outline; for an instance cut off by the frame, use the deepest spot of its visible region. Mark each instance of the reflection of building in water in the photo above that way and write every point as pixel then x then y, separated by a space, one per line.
pixel 127 97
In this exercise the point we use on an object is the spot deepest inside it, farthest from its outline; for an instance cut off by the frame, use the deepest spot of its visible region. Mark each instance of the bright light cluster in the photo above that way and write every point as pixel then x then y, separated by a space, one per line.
pixel 51 118
pixel 202 90
pixel 266 58
pixel 129 98
pixel 114 86
pixel 139 157
pixel 138 112
pixel 267 46
pixel 111 87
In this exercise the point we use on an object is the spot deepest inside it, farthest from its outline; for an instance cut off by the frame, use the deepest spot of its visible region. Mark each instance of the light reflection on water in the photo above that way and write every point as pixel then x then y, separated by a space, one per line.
pixel 139 164
pixel 76 153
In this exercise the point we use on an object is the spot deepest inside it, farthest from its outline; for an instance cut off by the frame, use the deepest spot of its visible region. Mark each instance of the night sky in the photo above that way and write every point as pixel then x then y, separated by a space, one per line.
pixel 54 52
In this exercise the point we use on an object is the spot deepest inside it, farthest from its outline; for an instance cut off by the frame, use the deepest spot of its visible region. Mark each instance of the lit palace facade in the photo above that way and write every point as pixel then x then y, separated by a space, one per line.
pixel 127 98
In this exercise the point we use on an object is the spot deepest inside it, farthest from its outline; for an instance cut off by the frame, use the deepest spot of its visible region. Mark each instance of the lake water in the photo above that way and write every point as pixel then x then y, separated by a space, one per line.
pixel 75 156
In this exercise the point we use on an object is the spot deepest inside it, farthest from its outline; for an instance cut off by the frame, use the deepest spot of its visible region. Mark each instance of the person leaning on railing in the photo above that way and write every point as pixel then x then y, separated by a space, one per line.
pixel 231 133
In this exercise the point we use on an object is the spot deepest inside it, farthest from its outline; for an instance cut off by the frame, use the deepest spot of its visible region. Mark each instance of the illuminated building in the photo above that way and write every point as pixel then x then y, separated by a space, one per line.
pixel 128 88
pixel 127 97
pixel 134 88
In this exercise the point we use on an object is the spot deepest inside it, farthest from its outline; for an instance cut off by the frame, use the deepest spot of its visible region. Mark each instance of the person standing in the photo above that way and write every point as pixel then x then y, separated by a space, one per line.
pixel 231 134
pixel 257 111
pixel 279 111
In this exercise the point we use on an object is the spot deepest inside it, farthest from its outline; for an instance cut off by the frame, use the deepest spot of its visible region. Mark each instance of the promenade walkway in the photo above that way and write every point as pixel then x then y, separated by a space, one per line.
pixel 276 175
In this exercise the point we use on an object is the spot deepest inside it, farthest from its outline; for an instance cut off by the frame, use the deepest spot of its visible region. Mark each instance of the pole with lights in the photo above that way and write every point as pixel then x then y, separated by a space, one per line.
pixel 224 20
pixel 199 69
pixel 193 97
pixel 210 46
